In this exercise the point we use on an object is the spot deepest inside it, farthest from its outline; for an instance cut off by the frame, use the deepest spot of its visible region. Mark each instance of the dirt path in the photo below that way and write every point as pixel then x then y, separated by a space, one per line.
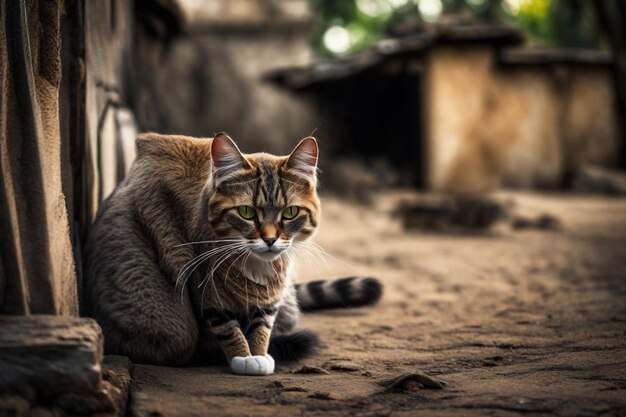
pixel 517 322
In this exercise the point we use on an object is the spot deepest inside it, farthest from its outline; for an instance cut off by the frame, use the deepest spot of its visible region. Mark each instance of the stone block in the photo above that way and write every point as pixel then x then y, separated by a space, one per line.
pixel 51 354
pixel 113 395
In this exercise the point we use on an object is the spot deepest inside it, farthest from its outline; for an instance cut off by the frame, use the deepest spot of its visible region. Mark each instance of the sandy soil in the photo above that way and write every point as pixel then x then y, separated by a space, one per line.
pixel 517 322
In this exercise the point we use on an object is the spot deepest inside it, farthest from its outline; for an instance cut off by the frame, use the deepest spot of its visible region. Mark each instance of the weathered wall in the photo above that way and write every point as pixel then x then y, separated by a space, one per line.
pixel 212 78
pixel 109 124
pixel 66 138
pixel 37 263
pixel 491 125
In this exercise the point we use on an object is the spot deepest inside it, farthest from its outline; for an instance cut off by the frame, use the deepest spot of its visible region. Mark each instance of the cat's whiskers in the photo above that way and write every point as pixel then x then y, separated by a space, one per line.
pixel 290 255
pixel 318 249
pixel 199 242
pixel 245 281
pixel 216 258
pixel 210 276
pixel 208 252
pixel 244 258
pixel 315 251
pixel 196 261
pixel 218 261
pixel 296 252
pixel 200 258
pixel 307 251
pixel 270 280
pixel 231 266
pixel 302 252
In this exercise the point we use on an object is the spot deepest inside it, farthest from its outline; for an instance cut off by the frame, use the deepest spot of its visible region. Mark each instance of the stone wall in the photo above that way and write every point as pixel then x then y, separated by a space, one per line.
pixel 493 124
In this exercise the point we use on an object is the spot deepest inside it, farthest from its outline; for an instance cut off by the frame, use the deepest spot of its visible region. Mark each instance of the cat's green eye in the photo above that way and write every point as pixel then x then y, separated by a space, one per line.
pixel 291 212
pixel 246 212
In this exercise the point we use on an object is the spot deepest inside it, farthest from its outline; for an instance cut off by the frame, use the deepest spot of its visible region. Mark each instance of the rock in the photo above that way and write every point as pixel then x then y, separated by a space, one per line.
pixel 110 398
pixel 344 368
pixel 50 353
pixel 104 400
pixel 542 222
pixel 295 389
pixel 412 381
pixel 321 396
pixel 307 369
pixel 464 213
pixel 283 388
pixel 117 370
pixel 592 179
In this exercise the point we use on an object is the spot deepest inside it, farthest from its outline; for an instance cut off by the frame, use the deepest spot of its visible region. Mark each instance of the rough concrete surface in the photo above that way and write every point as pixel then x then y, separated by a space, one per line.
pixel 50 353
pixel 27 396
pixel 528 322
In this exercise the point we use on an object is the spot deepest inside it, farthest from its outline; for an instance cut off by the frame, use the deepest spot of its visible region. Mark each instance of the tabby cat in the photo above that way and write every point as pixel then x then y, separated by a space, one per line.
pixel 191 256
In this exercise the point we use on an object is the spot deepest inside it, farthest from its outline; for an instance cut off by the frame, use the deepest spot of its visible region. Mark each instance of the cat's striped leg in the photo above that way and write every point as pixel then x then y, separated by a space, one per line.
pixel 226 329
pixel 260 329
pixel 258 335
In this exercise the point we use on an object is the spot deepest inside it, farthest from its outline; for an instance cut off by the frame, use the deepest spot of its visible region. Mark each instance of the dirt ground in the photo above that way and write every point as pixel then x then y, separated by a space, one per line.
pixel 516 322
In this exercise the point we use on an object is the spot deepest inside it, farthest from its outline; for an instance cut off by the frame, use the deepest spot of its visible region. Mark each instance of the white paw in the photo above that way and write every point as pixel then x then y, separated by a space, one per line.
pixel 252 365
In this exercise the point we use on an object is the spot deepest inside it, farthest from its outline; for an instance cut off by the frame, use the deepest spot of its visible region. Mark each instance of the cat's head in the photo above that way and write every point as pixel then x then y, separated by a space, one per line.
pixel 267 203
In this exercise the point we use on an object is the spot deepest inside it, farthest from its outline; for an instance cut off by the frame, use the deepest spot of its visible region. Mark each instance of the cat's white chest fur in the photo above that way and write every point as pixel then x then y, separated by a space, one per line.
pixel 258 271
pixel 261 272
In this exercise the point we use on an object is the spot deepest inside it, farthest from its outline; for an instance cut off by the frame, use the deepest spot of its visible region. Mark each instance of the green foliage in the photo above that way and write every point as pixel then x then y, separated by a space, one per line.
pixel 364 29
pixel 569 23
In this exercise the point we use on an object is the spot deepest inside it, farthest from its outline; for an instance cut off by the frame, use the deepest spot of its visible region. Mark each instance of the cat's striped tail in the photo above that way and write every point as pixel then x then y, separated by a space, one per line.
pixel 339 293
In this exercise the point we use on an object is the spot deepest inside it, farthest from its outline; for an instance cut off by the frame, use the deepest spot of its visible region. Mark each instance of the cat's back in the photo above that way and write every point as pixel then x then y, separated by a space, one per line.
pixel 165 164
pixel 167 176
pixel 170 159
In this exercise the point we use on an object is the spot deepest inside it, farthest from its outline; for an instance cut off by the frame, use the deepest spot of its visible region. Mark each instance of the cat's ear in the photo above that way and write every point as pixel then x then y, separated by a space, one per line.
pixel 303 158
pixel 226 157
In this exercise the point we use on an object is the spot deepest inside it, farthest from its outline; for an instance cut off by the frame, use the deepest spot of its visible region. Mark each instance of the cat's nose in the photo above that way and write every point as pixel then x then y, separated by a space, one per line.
pixel 270 240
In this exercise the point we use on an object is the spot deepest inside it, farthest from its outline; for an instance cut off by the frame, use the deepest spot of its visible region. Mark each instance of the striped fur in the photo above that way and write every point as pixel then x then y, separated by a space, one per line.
pixel 173 270
pixel 242 334
pixel 340 293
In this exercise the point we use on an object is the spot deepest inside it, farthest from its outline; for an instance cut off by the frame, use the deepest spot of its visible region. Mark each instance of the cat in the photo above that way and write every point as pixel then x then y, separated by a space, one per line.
pixel 192 255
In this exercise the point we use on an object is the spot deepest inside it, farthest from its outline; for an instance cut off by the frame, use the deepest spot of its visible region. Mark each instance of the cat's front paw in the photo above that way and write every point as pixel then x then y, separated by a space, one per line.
pixel 252 365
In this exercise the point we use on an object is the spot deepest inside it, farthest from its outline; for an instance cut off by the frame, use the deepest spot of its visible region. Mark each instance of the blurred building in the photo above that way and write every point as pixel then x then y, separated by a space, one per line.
pixel 212 77
pixel 459 108
pixel 465 107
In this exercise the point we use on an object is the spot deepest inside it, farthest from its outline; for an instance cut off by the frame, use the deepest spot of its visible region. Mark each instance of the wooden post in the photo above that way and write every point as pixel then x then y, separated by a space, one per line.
pixel 612 18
